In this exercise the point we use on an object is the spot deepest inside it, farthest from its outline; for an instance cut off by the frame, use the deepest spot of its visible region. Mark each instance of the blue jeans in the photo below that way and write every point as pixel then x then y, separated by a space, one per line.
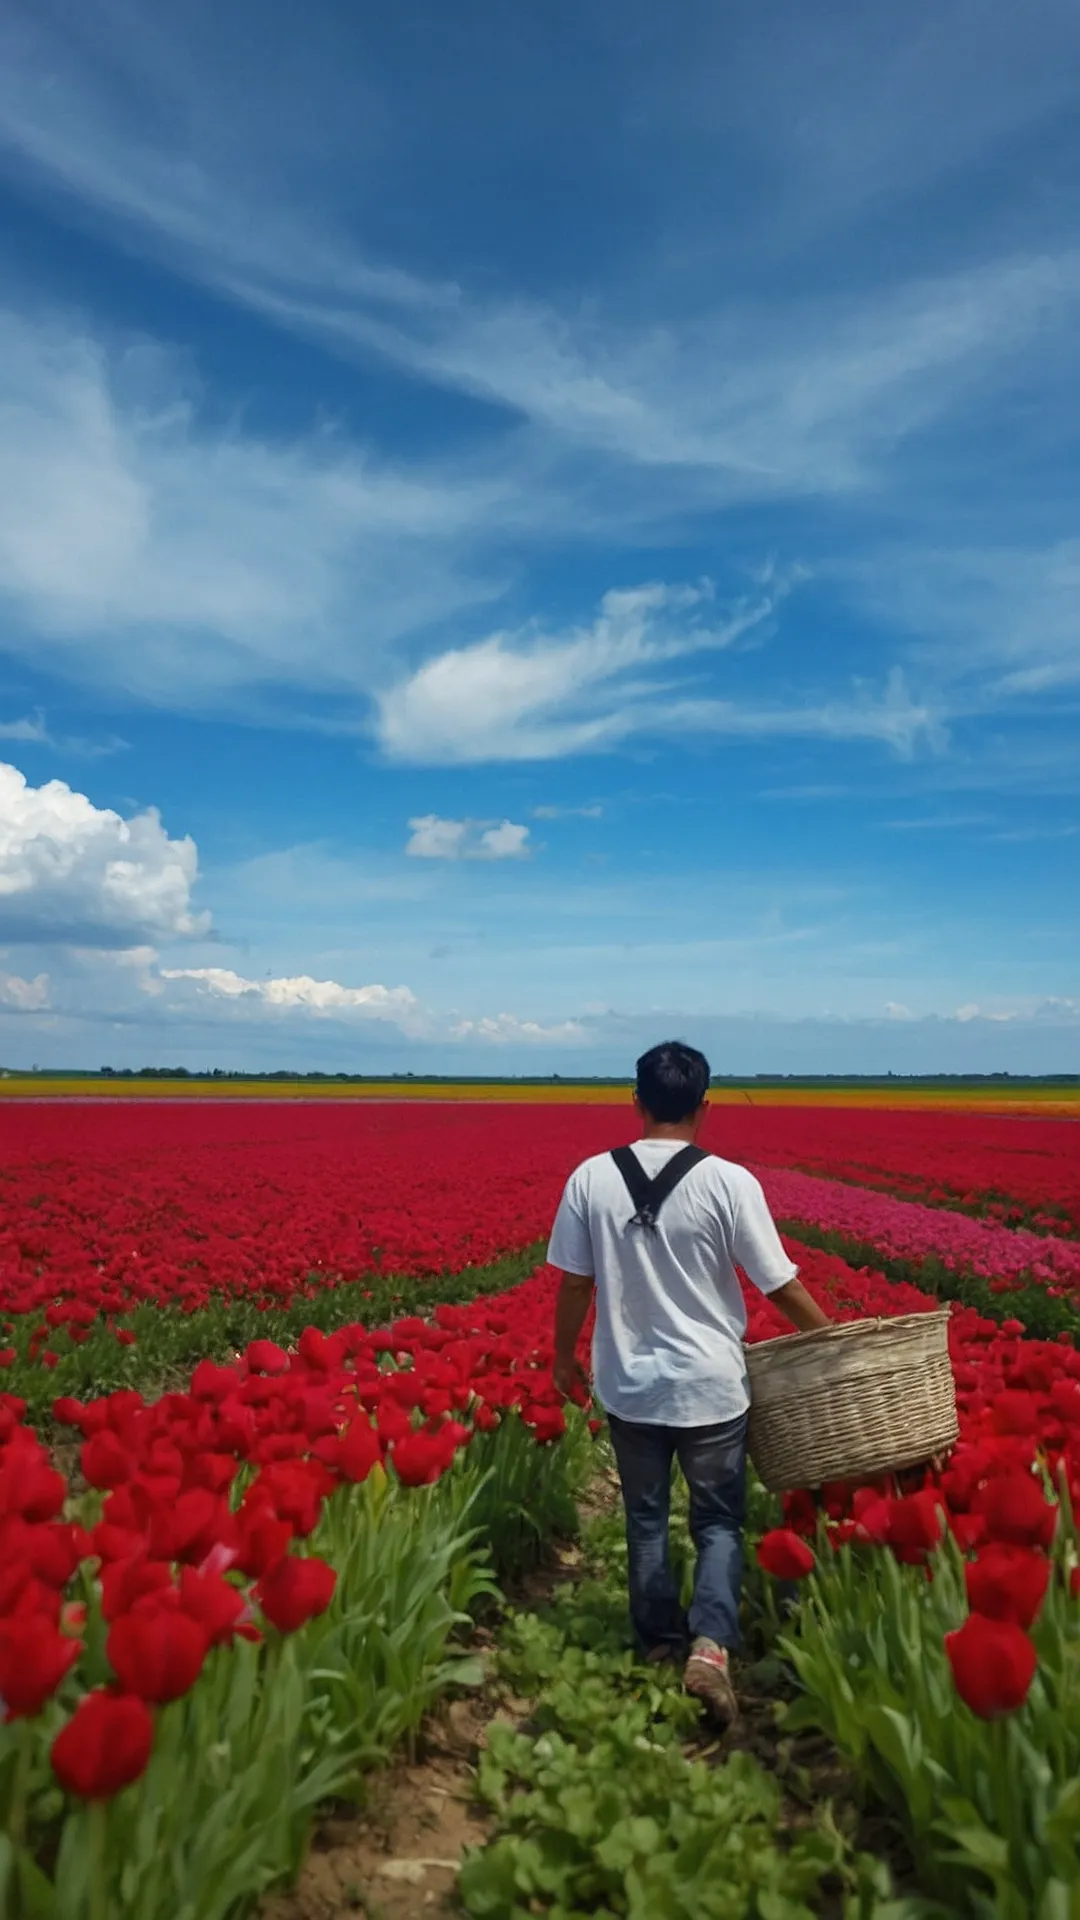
pixel 713 1462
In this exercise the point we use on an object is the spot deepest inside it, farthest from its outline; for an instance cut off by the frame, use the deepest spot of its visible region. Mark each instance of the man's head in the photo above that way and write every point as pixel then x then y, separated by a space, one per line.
pixel 672 1082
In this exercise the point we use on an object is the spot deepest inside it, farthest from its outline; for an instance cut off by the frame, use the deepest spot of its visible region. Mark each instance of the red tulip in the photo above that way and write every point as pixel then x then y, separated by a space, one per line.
pixel 916 1524
pixel 784 1555
pixel 359 1450
pixel 873 1518
pixel 34 1657
pixel 265 1356
pixel 68 1411
pixel 547 1423
pixel 56 1549
pixel 218 1607
pixel 125 1582
pixel 29 1486
pixel 187 1527
pixel 800 1511
pixel 211 1382
pixel 319 1351
pixel 157 1654
pixel 1007 1583
pixel 1015 1411
pixel 968 1530
pixel 104 1746
pixel 116 1543
pixel 420 1458
pixel 993 1664
pixel 1015 1510
pixel 261 1541
pixel 296 1590
pixel 106 1461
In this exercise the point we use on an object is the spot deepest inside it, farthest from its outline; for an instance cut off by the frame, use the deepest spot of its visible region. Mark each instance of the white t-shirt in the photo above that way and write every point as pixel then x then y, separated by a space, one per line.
pixel 670 1318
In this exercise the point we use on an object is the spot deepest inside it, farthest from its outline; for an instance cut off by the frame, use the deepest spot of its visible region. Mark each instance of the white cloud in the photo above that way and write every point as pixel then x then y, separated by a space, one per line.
pixel 895 1010
pixel 433 838
pixel 1002 621
pixel 891 717
pixel 1059 1009
pixel 567 813
pixel 507 841
pixel 124 512
pixel 29 729
pixel 329 1000
pixel 24 996
pixel 70 871
pixel 803 395
pixel 503 1029
pixel 301 993
pixel 534 696
pixel 180 561
pixel 530 695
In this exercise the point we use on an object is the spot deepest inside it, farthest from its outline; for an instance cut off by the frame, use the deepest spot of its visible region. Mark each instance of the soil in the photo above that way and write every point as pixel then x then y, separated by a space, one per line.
pixel 399 1858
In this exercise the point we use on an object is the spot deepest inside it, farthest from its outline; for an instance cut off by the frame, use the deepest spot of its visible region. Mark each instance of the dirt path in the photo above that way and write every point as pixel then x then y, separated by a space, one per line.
pixel 399 1857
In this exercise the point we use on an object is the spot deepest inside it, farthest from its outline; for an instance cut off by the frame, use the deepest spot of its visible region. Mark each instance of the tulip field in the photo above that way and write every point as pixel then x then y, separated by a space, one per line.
pixel 277 1422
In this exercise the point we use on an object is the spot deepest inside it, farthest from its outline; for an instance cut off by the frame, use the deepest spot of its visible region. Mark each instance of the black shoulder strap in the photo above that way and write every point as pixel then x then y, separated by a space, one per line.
pixel 648 1195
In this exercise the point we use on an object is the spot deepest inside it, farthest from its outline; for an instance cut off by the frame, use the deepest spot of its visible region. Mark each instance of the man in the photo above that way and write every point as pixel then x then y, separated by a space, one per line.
pixel 668 1362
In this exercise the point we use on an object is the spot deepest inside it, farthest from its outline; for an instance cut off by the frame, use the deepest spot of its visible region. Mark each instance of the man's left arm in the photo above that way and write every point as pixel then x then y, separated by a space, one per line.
pixel 571 1307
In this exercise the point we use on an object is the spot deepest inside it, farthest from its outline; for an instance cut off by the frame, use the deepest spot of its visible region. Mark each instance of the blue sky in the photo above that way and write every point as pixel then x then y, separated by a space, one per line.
pixel 524 530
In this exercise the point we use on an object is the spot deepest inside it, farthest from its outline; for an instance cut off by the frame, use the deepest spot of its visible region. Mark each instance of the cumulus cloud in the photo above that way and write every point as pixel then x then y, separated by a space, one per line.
pixel 507 841
pixel 503 1028
pixel 24 996
pixel 433 838
pixel 70 871
pixel 300 993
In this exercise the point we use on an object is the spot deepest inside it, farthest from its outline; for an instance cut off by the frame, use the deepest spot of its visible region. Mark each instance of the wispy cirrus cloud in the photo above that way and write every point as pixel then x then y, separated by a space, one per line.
pixel 533 695
pixel 642 406
pixel 756 397
pixel 552 812
pixel 124 513
pixel 542 696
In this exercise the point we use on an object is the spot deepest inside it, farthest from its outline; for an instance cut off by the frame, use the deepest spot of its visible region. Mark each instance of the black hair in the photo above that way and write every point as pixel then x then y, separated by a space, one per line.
pixel 672 1081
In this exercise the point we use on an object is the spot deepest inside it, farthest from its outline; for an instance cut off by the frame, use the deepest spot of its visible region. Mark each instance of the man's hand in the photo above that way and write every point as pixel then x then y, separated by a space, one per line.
pixel 574 1301
pixel 568 1375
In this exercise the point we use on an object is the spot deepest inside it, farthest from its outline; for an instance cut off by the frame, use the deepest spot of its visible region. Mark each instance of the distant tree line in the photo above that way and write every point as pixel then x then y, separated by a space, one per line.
pixel 584 1079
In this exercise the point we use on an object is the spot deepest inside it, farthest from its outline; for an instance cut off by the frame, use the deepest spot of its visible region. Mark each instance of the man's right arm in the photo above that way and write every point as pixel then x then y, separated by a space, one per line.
pixel 799 1307
pixel 759 1250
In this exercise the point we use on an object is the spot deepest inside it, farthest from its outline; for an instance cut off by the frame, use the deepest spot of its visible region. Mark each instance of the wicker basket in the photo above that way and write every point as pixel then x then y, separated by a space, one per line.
pixel 852 1401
